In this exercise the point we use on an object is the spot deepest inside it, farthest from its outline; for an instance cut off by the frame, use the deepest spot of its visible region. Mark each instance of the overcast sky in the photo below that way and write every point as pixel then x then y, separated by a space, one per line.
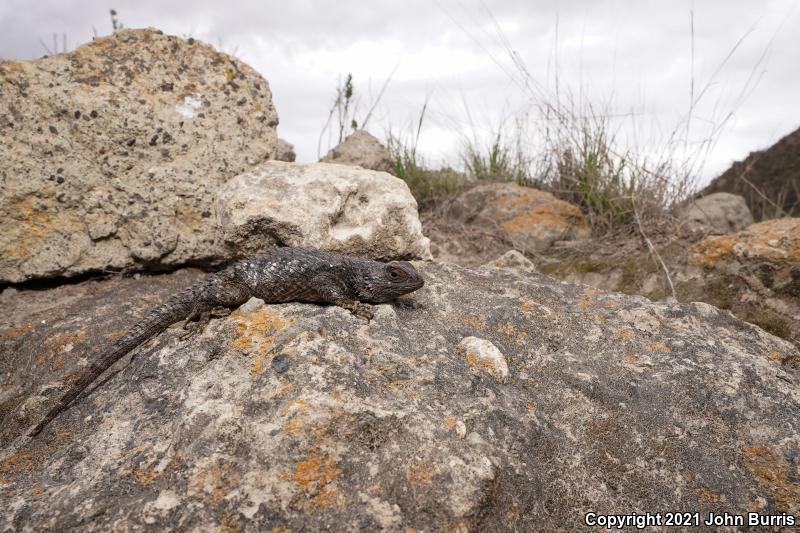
pixel 633 59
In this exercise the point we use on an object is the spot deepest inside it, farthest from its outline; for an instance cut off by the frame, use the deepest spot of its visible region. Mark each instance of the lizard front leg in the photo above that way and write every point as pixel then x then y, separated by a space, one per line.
pixel 330 291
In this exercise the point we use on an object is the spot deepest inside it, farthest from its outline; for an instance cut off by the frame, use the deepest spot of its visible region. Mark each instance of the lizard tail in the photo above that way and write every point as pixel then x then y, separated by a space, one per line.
pixel 177 308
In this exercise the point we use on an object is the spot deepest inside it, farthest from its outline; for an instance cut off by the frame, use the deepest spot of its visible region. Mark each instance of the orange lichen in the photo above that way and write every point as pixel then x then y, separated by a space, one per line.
pixel 316 475
pixel 14 333
pixel 624 334
pixel 510 330
pixel 659 346
pixel 21 461
pixel 258 329
pixel 449 422
pixel 55 348
pixel 773 472
pixel 214 483
pixel 293 426
pixel 418 473
pixel 145 477
pixel 475 322
pixel 706 495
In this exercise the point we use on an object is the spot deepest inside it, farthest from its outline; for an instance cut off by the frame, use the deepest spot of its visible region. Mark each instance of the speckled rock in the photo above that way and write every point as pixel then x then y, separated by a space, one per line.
pixel 284 151
pixel 529 218
pixel 112 153
pixel 304 417
pixel 363 150
pixel 333 207
pixel 719 212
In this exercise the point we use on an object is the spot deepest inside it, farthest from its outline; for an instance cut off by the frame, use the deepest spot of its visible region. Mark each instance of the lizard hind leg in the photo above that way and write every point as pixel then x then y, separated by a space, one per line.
pixel 196 321
pixel 199 319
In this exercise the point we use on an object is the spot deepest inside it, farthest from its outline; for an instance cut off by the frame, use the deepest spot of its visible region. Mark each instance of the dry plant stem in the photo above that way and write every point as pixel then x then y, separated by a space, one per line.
pixel 653 252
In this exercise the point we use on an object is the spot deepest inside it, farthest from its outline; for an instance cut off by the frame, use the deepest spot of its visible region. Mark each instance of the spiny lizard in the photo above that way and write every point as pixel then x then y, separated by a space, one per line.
pixel 276 276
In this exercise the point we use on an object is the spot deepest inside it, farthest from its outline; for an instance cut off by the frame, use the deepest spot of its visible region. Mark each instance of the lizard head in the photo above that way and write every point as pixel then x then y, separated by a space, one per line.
pixel 386 281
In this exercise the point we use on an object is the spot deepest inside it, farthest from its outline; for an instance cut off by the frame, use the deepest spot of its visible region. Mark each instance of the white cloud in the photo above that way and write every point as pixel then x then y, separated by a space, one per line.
pixel 635 56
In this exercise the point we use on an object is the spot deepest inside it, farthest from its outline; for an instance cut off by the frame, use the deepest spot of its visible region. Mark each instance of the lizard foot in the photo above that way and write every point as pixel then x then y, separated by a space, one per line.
pixel 362 310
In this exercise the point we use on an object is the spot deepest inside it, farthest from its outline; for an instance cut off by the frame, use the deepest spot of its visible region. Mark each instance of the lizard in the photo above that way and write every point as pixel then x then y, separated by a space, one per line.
pixel 280 275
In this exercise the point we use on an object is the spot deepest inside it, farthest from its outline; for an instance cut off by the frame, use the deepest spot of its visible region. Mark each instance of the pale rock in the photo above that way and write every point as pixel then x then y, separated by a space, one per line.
pixel 332 207
pixel 484 355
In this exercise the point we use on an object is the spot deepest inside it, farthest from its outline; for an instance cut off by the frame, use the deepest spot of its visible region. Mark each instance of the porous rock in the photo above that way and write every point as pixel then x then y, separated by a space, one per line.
pixel 720 212
pixel 333 207
pixel 112 153
pixel 300 416
pixel 363 150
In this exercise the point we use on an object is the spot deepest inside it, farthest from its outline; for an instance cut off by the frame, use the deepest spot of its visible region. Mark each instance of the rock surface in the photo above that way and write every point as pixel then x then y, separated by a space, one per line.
pixel 112 153
pixel 332 207
pixel 530 219
pixel 305 417
pixel 363 150
pixel 766 179
pixel 721 212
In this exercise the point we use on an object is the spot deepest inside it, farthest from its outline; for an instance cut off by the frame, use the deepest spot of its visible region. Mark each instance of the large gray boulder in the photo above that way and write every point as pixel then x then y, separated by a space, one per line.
pixel 332 207
pixel 719 212
pixel 491 399
pixel 112 154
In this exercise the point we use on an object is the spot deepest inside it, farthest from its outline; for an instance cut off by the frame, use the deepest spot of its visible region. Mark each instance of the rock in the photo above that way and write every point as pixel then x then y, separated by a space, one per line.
pixel 531 219
pixel 363 150
pixel 512 259
pixel 303 417
pixel 484 355
pixel 333 207
pixel 284 151
pixel 769 179
pixel 112 153
pixel 757 270
pixel 774 241
pixel 721 211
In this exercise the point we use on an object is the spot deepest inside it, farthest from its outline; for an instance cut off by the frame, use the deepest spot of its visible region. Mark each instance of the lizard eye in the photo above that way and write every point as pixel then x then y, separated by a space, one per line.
pixel 395 273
